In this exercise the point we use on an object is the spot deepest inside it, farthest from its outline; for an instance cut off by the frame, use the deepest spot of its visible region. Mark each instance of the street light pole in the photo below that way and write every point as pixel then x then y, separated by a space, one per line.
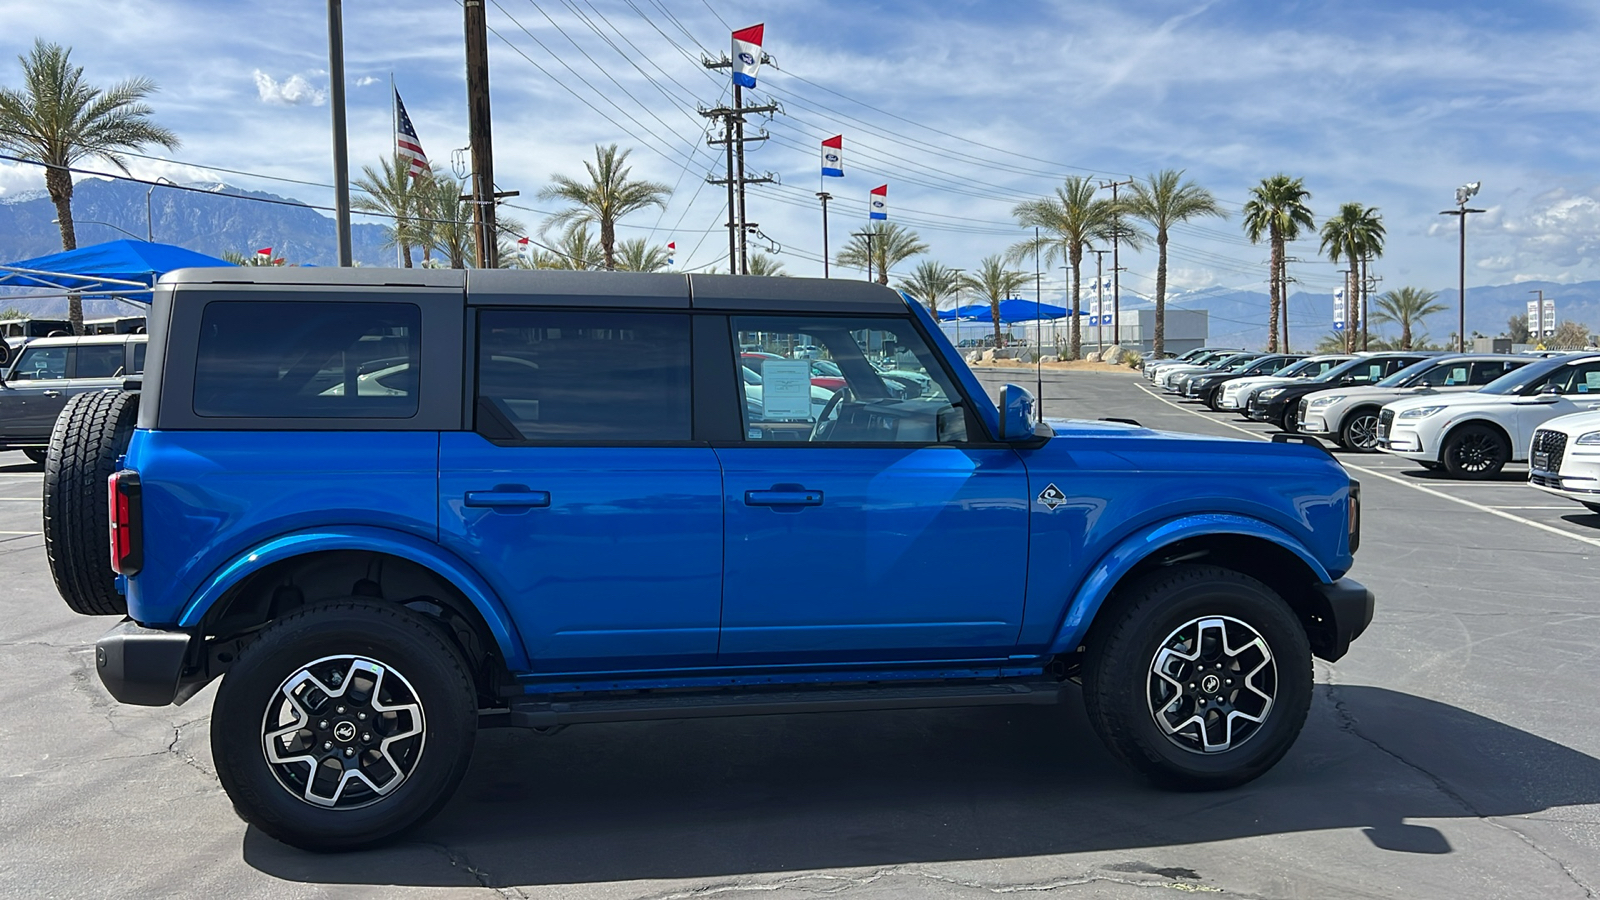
pixel 1463 194
pixel 341 145
pixel 824 196
pixel 149 221
pixel 867 236
pixel 93 222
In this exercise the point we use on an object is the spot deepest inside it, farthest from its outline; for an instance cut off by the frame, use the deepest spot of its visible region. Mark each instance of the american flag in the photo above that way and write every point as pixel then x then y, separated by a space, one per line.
pixel 405 140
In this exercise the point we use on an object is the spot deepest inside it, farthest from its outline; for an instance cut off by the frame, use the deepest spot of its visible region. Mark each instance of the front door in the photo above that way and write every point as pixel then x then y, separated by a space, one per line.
pixel 580 497
pixel 34 394
pixel 862 523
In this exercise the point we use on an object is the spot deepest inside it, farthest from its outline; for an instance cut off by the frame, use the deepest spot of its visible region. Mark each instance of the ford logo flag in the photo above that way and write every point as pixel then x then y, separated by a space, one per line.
pixel 833 157
pixel 747 55
pixel 879 203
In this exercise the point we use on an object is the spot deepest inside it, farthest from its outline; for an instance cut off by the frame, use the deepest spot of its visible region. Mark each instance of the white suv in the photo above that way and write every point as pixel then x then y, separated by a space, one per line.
pixel 1564 458
pixel 1475 435
pixel 1236 394
pixel 1349 415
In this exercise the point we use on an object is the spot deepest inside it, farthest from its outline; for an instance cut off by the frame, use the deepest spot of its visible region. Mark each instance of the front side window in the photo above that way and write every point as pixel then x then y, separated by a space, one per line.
pixel 308 359
pixel 836 380
pixel 1445 375
pixel 40 364
pixel 1580 379
pixel 1485 372
pixel 98 361
pixel 583 376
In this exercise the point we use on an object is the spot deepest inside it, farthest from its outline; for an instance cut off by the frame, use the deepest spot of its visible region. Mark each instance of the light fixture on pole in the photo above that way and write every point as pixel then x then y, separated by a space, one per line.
pixel 1463 194
pixel 867 236
pixel 149 223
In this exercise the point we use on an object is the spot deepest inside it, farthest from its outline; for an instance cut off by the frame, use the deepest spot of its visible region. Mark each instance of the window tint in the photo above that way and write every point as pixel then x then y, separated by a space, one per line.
pixel 40 363
pixel 1445 375
pixel 307 359
pixel 138 357
pixel 1485 372
pixel 98 361
pixel 583 376
pixel 1580 379
pixel 889 387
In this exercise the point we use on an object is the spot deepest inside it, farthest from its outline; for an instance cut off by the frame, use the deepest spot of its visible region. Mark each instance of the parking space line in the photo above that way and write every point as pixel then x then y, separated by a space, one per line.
pixel 23 533
pixel 1593 542
pixel 1573 508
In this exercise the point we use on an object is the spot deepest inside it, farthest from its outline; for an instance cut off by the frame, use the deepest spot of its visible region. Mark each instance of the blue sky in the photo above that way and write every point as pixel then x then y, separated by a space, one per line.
pixel 963 108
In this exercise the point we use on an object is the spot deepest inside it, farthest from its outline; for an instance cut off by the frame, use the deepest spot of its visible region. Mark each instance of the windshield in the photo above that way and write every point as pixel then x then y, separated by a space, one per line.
pixel 1304 365
pixel 1530 375
pixel 1346 367
pixel 1239 365
pixel 1400 378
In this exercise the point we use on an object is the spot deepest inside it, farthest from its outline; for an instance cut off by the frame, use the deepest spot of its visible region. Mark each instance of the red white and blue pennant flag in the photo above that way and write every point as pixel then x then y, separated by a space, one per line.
pixel 405 140
pixel 833 157
pixel 672 252
pixel 878 203
pixel 747 55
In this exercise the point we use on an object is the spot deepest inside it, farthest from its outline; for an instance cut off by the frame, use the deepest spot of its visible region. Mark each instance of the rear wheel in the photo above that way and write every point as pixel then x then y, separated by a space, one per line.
pixel 1360 431
pixel 1475 452
pixel 91 432
pixel 343 725
pixel 1198 677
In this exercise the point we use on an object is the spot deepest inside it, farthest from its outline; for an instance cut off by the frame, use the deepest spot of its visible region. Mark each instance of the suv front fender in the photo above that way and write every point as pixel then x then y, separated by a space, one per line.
pixel 376 540
pixel 1109 571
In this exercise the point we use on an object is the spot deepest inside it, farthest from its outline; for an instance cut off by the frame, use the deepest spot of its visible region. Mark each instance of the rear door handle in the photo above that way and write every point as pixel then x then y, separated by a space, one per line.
pixel 506 498
pixel 784 497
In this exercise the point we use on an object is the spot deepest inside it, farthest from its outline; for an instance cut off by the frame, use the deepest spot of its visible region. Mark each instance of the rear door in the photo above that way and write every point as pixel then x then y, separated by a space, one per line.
pixel 580 493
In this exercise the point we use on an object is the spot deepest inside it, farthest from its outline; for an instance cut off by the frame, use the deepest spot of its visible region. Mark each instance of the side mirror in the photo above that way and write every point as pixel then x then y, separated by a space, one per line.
pixel 1550 389
pixel 1018 414
pixel 1347 379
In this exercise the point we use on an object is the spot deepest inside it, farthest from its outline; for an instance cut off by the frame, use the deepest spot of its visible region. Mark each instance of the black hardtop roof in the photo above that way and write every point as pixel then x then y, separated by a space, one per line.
pixel 551 287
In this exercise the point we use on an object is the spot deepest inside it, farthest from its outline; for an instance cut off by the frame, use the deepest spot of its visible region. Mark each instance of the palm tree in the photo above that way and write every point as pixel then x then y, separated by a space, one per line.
pixel 446 221
pixel 1356 234
pixel 1068 223
pixel 931 282
pixel 576 248
pixel 254 259
pixel 390 191
pixel 1332 342
pixel 637 255
pixel 607 196
pixel 1164 200
pixel 1407 306
pixel 1277 211
pixel 58 119
pixel 891 245
pixel 995 282
pixel 763 264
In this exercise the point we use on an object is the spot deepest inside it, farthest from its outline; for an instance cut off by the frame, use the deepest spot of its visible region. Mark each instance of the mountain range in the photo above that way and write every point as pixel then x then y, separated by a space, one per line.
pixel 215 218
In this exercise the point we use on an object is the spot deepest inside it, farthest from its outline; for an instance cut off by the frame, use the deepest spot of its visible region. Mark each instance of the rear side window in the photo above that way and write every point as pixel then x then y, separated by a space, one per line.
pixel 138 357
pixel 98 361
pixel 307 359
pixel 583 376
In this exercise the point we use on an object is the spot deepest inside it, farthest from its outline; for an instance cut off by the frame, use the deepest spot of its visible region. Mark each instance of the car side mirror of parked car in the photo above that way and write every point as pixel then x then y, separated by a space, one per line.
pixel 1018 413
pixel 1550 388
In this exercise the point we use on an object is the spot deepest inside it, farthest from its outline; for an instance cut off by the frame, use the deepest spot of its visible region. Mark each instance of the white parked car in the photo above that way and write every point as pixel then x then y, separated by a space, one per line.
pixel 1474 435
pixel 1236 394
pixel 1564 458
pixel 1153 371
pixel 1168 378
pixel 1349 415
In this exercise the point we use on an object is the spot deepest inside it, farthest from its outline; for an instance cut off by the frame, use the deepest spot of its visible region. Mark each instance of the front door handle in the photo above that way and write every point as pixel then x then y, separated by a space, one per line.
pixel 783 495
pixel 52 393
pixel 508 497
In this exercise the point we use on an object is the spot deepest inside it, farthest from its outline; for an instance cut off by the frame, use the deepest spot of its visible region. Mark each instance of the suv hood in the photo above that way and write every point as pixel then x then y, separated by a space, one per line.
pixel 1374 393
pixel 1468 399
pixel 1574 424
pixel 1148 449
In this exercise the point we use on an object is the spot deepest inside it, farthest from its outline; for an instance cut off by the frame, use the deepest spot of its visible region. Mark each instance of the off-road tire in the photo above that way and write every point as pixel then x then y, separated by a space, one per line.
pixel 89 435
pixel 1128 634
pixel 37 454
pixel 1475 452
pixel 404 642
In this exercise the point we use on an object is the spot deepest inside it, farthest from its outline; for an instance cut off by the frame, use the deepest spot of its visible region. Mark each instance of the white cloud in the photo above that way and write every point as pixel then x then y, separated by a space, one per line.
pixel 17 177
pixel 292 91
pixel 365 80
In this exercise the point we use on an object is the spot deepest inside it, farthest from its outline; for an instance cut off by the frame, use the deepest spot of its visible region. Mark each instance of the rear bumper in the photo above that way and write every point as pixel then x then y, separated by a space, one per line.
pixel 1347 607
pixel 142 666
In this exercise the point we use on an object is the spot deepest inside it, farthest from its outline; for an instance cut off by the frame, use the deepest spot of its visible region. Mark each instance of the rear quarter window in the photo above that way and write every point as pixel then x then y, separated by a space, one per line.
pixel 307 359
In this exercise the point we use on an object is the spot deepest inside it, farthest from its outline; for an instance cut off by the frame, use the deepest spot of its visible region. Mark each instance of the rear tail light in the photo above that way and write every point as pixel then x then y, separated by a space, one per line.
pixel 1355 515
pixel 127 529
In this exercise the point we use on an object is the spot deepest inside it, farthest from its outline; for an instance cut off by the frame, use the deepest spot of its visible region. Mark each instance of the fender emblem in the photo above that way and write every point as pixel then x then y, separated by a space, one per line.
pixel 1052 497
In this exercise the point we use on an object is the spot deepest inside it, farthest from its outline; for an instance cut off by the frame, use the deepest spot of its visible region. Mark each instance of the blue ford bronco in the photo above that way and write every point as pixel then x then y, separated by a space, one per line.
pixel 388 508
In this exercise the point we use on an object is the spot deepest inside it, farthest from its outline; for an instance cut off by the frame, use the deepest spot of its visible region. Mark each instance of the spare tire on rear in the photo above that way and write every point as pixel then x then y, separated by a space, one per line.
pixel 92 432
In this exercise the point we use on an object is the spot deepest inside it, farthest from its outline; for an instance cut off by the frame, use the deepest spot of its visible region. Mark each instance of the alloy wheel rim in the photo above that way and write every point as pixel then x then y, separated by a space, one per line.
pixel 1477 452
pixel 1364 432
pixel 343 732
pixel 1212 684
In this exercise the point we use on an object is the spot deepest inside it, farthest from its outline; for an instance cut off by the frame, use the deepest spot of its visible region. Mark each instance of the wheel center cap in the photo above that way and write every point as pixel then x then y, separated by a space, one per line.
pixel 1208 684
pixel 346 731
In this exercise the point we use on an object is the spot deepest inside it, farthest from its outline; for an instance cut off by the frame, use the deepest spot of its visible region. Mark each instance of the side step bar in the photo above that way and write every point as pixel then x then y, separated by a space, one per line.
pixel 536 713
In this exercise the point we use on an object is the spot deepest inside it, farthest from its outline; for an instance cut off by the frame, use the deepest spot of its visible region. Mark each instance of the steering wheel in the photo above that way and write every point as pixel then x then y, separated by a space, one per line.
pixel 829 409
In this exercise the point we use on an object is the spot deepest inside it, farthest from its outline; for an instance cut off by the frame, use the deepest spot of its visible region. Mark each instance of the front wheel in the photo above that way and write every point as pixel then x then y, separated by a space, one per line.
pixel 1360 431
pixel 343 725
pixel 1198 677
pixel 1476 452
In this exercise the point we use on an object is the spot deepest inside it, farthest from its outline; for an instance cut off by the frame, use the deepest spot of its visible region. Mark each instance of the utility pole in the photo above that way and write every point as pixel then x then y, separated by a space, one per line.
pixel 480 135
pixel 1284 279
pixel 1116 263
pixel 1463 194
pixel 824 196
pixel 1100 301
pixel 1368 283
pixel 733 138
pixel 866 236
pixel 341 146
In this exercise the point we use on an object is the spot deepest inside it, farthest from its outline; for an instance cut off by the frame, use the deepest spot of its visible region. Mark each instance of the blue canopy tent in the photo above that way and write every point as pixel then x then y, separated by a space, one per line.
pixel 1013 309
pixel 123 269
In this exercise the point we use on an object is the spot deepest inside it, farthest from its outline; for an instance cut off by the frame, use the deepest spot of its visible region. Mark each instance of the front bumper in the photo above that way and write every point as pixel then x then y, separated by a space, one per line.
pixel 145 666
pixel 1344 609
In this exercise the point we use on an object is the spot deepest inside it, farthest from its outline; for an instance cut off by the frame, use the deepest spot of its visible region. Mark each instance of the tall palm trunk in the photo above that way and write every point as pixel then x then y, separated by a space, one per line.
pixel 1077 291
pixel 1277 296
pixel 59 183
pixel 994 313
pixel 1159 345
pixel 608 242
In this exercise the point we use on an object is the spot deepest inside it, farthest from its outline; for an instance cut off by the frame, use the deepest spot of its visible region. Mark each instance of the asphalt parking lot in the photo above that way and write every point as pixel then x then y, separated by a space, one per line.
pixel 1454 753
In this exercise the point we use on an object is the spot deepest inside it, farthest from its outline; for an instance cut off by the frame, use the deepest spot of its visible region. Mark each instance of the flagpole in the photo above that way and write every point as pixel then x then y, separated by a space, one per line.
pixel 394 135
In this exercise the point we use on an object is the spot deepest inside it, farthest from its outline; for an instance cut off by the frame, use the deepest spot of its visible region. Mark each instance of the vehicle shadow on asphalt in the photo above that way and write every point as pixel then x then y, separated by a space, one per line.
pixel 794 793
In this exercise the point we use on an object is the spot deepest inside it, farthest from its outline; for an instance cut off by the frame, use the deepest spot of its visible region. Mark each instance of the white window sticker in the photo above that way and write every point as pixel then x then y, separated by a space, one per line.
pixel 785 389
